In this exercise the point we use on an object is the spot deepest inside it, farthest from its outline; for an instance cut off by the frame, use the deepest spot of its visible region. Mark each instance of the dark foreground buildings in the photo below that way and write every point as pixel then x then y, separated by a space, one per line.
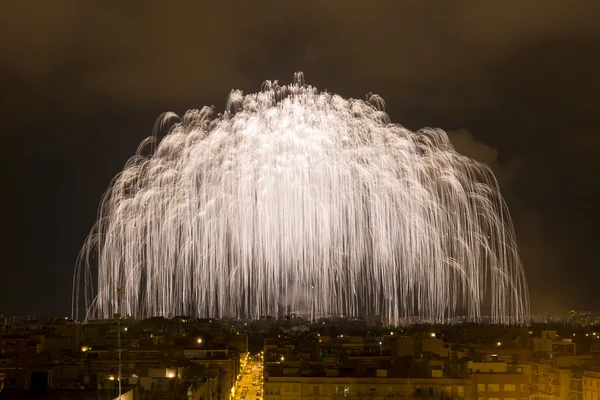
pixel 336 359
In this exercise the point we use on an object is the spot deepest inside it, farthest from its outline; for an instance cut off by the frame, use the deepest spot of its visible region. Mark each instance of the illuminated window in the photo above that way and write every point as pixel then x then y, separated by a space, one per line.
pixel 341 391
pixel 493 387
pixel 509 387
pixel 523 387
pixel 481 387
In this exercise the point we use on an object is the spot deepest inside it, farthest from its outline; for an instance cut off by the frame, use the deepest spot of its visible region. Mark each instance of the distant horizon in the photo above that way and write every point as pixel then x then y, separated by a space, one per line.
pixel 483 321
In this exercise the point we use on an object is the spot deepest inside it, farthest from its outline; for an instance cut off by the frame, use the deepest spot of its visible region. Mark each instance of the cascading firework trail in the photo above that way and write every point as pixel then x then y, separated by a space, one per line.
pixel 295 197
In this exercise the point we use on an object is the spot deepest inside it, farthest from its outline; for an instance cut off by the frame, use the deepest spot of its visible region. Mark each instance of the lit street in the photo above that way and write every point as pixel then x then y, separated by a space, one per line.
pixel 249 387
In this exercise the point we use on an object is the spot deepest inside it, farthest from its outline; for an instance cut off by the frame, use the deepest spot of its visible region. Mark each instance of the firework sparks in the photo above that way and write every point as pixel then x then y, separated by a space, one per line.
pixel 298 197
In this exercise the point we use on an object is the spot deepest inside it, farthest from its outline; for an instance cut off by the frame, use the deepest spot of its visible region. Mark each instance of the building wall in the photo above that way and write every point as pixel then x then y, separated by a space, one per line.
pixel 435 346
pixel 403 347
pixel 312 388
pixel 486 367
pixel 550 381
pixel 18 347
pixel 591 385
pixel 500 386
pixel 207 391
pixel 69 330
pixel 554 347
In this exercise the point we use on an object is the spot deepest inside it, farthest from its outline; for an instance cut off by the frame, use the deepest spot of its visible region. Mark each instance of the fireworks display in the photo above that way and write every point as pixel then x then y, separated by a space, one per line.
pixel 300 199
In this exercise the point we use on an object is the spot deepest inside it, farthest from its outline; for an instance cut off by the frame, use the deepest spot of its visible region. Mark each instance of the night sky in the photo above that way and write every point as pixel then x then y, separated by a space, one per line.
pixel 515 83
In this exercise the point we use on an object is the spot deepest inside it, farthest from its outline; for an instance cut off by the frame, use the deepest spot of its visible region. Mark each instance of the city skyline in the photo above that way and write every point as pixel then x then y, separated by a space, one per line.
pixel 515 88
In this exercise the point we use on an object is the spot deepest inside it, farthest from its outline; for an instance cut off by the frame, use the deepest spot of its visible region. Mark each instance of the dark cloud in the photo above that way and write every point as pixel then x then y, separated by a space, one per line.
pixel 464 142
pixel 530 187
pixel 515 82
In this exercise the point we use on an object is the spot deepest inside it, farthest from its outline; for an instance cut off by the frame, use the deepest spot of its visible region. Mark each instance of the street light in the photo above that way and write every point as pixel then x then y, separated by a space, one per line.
pixel 199 341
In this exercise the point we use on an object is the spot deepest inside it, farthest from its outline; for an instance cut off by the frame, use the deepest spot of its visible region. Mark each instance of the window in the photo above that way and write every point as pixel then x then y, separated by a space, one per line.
pixel 509 387
pixel 523 387
pixel 481 387
pixel 493 387
pixel 341 391
pixel 461 391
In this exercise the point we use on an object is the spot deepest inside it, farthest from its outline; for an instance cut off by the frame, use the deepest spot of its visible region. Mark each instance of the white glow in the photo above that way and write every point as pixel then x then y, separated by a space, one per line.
pixel 242 214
